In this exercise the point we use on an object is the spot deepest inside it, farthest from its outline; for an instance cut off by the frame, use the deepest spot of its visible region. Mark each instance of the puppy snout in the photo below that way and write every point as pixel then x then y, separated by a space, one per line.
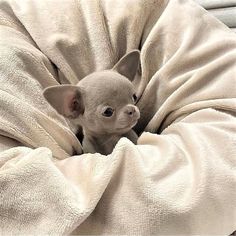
pixel 131 111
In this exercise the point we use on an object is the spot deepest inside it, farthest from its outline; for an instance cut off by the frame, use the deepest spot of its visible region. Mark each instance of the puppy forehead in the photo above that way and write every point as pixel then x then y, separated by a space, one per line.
pixel 106 85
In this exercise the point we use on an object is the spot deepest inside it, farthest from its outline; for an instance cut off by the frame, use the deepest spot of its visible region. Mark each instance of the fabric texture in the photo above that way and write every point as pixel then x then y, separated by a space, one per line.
pixel 225 10
pixel 179 179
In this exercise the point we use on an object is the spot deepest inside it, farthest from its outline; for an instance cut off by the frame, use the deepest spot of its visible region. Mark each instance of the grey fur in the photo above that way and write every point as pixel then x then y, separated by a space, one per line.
pixel 86 102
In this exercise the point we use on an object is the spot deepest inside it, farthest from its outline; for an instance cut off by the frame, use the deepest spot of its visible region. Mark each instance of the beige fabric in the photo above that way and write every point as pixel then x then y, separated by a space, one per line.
pixel 180 179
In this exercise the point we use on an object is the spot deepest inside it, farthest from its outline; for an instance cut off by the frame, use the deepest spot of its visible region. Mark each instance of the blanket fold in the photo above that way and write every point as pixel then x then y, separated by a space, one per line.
pixel 179 179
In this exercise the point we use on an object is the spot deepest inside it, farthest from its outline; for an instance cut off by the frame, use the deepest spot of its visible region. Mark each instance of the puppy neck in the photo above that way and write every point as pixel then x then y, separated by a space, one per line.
pixel 102 143
pixel 99 136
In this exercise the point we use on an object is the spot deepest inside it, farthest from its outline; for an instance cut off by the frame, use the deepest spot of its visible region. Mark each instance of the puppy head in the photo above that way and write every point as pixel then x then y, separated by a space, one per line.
pixel 102 102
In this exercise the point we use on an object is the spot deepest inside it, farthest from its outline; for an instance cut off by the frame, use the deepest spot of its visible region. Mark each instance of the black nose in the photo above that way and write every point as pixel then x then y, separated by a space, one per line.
pixel 130 110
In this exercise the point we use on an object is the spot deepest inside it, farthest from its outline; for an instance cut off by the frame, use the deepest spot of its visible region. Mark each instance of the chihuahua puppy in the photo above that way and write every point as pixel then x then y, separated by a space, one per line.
pixel 103 103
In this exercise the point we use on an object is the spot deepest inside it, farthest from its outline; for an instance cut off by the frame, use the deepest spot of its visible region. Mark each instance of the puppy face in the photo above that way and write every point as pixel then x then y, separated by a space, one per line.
pixel 109 103
pixel 102 102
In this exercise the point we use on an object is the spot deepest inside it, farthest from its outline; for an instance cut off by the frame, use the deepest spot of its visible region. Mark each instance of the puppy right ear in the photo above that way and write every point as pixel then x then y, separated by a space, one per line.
pixel 66 99
pixel 128 64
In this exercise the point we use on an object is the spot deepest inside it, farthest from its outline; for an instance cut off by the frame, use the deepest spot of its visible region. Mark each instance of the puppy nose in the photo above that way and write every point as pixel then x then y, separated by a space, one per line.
pixel 130 110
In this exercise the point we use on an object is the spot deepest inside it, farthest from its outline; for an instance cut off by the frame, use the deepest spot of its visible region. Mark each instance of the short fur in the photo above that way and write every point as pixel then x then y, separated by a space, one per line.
pixel 87 102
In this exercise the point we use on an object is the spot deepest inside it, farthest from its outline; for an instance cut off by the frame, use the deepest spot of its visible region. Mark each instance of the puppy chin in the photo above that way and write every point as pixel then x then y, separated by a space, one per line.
pixel 126 128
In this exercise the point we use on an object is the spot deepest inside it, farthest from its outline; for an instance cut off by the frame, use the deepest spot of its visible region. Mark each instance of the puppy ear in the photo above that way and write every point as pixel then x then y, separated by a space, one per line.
pixel 66 99
pixel 128 64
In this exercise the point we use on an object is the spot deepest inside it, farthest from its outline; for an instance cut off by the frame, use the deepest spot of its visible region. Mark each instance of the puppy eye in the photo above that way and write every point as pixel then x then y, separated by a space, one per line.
pixel 108 112
pixel 134 97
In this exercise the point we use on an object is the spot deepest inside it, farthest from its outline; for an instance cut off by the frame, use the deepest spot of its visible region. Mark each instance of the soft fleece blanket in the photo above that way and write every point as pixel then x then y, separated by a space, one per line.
pixel 224 10
pixel 179 179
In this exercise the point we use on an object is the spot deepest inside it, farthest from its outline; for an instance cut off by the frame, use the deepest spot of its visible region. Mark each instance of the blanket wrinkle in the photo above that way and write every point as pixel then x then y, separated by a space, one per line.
pixel 206 72
pixel 179 179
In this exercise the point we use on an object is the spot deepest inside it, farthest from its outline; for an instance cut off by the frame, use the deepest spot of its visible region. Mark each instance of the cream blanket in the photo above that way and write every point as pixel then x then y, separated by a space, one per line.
pixel 224 10
pixel 179 179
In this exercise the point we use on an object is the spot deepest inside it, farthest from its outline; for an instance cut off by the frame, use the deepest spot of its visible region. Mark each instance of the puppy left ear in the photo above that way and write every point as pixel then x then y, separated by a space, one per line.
pixel 66 99
pixel 128 64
